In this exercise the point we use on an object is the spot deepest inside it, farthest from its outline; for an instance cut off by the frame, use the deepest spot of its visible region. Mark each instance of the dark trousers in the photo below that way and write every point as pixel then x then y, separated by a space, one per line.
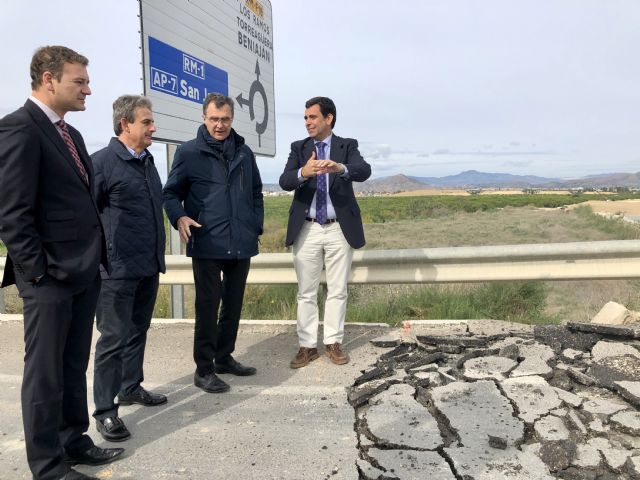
pixel 123 317
pixel 58 324
pixel 215 335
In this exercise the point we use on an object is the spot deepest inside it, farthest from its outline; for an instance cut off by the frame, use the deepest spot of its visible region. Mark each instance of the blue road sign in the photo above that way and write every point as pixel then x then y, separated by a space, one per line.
pixel 177 73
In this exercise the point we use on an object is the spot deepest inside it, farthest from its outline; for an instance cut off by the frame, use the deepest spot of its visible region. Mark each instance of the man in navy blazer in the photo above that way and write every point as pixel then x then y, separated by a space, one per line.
pixel 324 226
pixel 50 225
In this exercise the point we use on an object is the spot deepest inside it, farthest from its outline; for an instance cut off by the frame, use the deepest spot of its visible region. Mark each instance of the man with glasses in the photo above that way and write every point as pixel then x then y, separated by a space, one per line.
pixel 213 197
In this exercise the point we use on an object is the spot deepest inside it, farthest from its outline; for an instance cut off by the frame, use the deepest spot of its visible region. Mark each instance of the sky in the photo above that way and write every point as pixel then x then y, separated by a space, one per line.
pixel 429 88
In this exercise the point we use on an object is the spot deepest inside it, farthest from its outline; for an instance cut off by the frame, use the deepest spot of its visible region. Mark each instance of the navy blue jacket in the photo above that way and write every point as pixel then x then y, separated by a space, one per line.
pixel 128 193
pixel 345 151
pixel 228 204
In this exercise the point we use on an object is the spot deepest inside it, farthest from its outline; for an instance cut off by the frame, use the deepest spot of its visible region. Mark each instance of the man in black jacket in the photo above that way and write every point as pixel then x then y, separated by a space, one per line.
pixel 51 227
pixel 129 197
pixel 213 197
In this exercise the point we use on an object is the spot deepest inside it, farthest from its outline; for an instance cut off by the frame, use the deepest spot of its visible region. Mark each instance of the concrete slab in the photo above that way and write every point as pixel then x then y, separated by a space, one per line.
pixel 572 355
pixel 368 471
pixel 476 410
pixel 633 467
pixel 630 390
pixel 597 427
pixel 536 350
pixel 568 398
pixel 614 458
pixel 491 464
pixel 604 349
pixel 613 314
pixel 557 454
pixel 505 342
pixel 437 327
pixel 412 464
pixel 580 377
pixel 498 327
pixel 533 397
pixel 550 429
pixel 533 366
pixel 602 408
pixel 397 419
pixel 576 423
pixel 387 341
pixel 627 422
pixel 587 456
pixel 482 368
pixel 559 337
pixel 628 332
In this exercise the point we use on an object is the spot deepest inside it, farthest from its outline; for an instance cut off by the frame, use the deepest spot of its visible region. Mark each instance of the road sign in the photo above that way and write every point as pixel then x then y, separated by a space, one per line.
pixel 203 46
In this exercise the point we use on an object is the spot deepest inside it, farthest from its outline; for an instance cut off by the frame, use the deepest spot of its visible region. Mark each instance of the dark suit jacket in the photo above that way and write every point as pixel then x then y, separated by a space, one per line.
pixel 343 150
pixel 48 217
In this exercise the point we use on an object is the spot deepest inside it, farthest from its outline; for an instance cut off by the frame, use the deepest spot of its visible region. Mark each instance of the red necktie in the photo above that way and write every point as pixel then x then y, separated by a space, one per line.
pixel 72 148
pixel 321 189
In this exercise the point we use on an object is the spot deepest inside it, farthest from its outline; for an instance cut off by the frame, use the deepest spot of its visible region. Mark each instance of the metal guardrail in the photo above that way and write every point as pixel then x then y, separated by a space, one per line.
pixel 618 259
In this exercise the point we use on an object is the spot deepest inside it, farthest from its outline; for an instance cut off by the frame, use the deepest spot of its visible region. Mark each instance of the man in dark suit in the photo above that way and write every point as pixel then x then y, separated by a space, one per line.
pixel 50 225
pixel 324 226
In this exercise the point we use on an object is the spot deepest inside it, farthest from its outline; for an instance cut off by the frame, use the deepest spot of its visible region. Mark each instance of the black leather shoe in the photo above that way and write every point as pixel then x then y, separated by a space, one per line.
pixel 210 383
pixel 73 475
pixel 235 368
pixel 142 397
pixel 94 456
pixel 113 429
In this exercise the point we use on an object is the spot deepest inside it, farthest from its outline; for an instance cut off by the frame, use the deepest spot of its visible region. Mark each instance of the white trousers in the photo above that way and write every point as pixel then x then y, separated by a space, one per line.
pixel 319 245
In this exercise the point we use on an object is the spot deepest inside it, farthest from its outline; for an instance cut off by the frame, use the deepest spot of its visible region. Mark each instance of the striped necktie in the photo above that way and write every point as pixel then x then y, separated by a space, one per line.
pixel 321 192
pixel 73 150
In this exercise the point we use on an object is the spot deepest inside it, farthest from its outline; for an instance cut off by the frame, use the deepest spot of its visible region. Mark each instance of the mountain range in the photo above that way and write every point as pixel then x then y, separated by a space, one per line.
pixel 473 179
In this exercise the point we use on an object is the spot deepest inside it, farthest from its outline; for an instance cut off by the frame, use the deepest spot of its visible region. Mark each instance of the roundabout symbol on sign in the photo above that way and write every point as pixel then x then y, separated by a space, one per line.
pixel 256 87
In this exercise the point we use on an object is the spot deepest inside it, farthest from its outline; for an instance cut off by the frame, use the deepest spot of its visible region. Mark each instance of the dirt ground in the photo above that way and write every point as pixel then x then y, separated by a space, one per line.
pixel 621 207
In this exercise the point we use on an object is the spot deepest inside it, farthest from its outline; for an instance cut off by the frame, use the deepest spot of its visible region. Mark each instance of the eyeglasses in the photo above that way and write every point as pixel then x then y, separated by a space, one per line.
pixel 222 120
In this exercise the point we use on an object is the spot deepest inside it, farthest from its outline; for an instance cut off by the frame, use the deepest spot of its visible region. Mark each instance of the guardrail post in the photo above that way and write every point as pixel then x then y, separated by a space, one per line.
pixel 177 291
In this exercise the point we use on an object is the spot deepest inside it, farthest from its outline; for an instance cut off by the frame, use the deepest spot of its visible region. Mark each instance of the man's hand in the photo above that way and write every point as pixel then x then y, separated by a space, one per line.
pixel 329 166
pixel 184 227
pixel 315 167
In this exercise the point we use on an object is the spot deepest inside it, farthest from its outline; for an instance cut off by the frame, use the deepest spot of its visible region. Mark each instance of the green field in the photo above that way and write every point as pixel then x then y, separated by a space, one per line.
pixel 439 221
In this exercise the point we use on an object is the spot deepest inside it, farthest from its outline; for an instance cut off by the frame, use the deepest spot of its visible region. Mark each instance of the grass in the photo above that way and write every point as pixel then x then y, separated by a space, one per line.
pixel 515 301
pixel 437 221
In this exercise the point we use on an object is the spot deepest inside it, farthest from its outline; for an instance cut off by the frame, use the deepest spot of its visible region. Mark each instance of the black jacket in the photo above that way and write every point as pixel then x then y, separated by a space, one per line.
pixel 225 200
pixel 345 151
pixel 128 193
pixel 48 217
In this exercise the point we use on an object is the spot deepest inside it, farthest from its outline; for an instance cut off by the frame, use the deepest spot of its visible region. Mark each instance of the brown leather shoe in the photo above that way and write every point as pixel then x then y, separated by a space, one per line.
pixel 304 356
pixel 335 354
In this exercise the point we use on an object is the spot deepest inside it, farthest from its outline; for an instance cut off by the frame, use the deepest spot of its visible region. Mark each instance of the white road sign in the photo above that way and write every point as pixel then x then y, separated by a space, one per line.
pixel 191 48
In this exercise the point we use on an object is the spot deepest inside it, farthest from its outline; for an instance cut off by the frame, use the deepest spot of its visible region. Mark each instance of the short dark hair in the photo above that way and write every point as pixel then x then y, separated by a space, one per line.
pixel 52 58
pixel 125 107
pixel 326 107
pixel 219 100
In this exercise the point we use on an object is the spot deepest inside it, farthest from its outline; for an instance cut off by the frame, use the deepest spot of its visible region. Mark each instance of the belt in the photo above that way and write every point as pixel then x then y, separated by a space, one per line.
pixel 329 220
